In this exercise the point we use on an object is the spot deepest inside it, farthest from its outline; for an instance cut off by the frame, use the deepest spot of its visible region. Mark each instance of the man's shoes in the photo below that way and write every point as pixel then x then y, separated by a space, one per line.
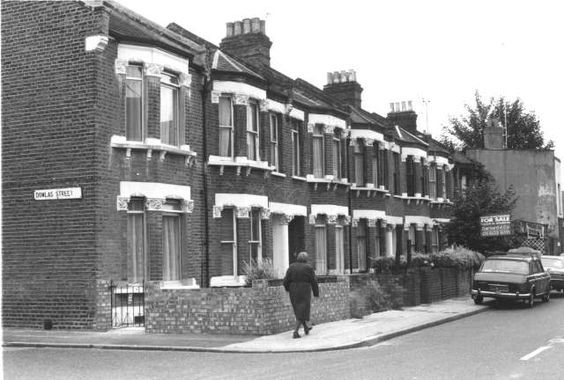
pixel 296 335
pixel 307 329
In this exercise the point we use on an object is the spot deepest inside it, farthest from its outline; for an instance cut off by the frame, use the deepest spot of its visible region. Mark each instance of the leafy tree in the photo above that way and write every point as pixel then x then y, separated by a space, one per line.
pixel 523 128
pixel 480 198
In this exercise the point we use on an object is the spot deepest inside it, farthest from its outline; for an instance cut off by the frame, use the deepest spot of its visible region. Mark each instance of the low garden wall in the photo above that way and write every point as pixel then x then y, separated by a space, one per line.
pixel 261 309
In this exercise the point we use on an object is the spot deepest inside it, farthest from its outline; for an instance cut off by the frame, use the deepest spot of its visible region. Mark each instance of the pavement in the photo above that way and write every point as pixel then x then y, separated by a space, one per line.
pixel 349 333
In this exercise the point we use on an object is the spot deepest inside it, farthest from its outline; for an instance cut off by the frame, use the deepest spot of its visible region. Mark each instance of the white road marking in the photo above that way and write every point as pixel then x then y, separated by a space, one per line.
pixel 535 352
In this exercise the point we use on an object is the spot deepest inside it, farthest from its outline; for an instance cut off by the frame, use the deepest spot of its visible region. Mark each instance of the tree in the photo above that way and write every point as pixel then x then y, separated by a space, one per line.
pixel 480 198
pixel 523 128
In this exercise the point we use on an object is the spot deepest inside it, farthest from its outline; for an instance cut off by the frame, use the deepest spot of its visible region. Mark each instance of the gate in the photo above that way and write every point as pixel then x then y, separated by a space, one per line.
pixel 128 305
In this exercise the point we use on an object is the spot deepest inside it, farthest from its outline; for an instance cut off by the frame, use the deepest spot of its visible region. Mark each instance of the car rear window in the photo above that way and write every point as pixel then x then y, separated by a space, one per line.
pixel 509 266
pixel 553 263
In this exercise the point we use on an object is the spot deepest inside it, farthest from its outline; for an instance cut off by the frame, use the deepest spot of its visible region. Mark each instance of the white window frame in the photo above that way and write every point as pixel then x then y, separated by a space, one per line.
pixel 432 181
pixel 339 249
pixel 337 158
pixel 233 242
pixel 358 154
pixel 138 276
pixel 274 147
pixel 361 255
pixel 229 127
pixel 175 87
pixel 318 162
pixel 321 256
pixel 253 135
pixel 178 258
pixel 141 118
pixel 296 164
pixel 255 241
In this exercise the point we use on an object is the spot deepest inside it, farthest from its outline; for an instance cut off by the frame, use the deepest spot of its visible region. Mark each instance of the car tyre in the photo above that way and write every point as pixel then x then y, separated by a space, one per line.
pixel 546 297
pixel 532 299
pixel 478 300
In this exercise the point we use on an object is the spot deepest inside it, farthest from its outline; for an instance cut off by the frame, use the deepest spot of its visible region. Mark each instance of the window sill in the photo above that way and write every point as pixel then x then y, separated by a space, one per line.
pixel 227 281
pixel 278 174
pixel 179 284
pixel 298 178
pixel 370 190
pixel 329 180
pixel 150 145
pixel 416 199
pixel 239 163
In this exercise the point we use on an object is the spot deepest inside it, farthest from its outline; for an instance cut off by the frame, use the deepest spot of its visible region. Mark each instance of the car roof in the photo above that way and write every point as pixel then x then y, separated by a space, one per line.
pixel 511 257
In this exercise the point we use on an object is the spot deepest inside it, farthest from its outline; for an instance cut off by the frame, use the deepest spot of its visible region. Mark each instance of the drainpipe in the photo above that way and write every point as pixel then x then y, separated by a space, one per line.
pixel 205 276
pixel 349 199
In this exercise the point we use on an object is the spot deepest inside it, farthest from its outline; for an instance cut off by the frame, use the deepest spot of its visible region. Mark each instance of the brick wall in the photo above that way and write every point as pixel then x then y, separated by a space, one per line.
pixel 48 141
pixel 262 309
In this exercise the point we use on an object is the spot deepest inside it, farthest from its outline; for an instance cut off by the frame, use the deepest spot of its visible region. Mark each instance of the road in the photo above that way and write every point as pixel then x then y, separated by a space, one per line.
pixel 508 341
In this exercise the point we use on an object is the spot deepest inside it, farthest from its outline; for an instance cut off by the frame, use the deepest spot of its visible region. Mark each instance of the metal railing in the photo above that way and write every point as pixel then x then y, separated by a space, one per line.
pixel 127 304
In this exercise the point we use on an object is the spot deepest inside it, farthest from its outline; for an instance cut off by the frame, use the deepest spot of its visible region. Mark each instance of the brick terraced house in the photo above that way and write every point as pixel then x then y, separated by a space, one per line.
pixel 135 154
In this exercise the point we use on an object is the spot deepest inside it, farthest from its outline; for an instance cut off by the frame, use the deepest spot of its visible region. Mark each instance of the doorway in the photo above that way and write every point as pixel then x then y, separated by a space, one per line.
pixel 296 237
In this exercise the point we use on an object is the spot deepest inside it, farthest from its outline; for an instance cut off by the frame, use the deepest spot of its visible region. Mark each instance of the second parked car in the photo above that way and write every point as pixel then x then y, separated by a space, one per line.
pixel 555 266
pixel 511 276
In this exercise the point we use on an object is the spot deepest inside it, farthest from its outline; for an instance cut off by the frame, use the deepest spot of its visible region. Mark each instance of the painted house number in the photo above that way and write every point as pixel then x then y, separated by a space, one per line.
pixel 50 194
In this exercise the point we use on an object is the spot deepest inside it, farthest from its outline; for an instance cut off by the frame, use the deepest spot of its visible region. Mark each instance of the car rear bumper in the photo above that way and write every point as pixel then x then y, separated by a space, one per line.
pixel 489 294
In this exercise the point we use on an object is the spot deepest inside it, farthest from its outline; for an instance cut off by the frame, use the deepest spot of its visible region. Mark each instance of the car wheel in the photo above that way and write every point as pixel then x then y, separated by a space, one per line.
pixel 546 297
pixel 532 299
pixel 478 300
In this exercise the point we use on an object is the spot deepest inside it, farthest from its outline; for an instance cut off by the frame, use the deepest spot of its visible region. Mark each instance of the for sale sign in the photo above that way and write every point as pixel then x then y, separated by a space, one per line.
pixel 495 225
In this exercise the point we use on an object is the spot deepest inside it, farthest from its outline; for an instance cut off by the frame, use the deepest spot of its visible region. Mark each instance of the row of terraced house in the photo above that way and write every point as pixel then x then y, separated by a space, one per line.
pixel 135 153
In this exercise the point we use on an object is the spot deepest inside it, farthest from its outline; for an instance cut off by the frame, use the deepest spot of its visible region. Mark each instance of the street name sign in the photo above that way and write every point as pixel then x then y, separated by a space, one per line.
pixel 51 194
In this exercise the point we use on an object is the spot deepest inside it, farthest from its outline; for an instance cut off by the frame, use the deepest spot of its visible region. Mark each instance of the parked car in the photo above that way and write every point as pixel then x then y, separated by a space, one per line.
pixel 555 266
pixel 513 277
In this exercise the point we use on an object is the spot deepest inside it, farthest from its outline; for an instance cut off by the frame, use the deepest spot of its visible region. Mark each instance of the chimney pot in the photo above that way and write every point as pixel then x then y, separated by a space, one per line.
pixel 255 25
pixel 263 26
pixel 229 29
pixel 353 76
pixel 409 105
pixel 344 76
pixel 246 25
pixel 392 107
pixel 237 28
pixel 329 78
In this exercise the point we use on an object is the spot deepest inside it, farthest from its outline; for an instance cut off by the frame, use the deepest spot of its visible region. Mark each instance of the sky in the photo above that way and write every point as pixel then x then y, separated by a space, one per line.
pixel 440 51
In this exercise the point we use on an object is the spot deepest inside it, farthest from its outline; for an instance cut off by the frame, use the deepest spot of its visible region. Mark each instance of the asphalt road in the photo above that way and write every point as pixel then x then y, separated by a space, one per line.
pixel 509 341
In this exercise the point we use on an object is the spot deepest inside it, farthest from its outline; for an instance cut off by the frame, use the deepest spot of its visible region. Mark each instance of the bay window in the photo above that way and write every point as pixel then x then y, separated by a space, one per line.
pixel 136 241
pixel 274 154
pixel 225 126
pixel 134 103
pixel 337 160
pixel 359 164
pixel 253 131
pixel 318 152
pixel 171 239
pixel 296 148
pixel 433 181
pixel 410 175
pixel 361 244
pixel 255 253
pixel 170 131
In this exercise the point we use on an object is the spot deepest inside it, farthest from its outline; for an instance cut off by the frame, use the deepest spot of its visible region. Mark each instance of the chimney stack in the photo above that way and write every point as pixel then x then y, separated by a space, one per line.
pixel 494 138
pixel 402 114
pixel 246 39
pixel 342 85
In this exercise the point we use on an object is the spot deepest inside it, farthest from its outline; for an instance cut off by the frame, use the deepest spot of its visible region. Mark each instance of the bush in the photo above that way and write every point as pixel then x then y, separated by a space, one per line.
pixel 386 296
pixel 457 257
pixel 258 270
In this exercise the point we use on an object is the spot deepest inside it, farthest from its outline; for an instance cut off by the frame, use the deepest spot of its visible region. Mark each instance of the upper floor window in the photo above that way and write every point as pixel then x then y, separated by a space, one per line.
pixel 433 181
pixel 253 131
pixel 410 175
pixel 383 171
pixel 318 152
pixel 225 126
pixel 296 148
pixel 396 174
pixel 359 164
pixel 375 166
pixel 440 183
pixel 337 158
pixel 134 103
pixel 170 131
pixel 424 178
pixel 274 130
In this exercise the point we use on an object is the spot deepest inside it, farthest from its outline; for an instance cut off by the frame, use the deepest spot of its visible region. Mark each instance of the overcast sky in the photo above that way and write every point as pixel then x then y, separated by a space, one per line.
pixel 442 51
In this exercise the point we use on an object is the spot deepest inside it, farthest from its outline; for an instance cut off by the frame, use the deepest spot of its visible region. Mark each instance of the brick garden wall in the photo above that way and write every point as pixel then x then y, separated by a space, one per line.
pixel 263 309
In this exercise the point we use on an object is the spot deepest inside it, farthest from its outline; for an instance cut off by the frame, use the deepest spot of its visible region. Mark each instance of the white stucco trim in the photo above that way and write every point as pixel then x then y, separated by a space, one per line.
pixel 315 118
pixel 153 190
pixel 369 214
pixel 395 220
pixel 318 209
pixel 441 220
pixel 240 200
pixel 229 280
pixel 287 209
pixel 409 151
pixel 239 88
pixel 135 53
pixel 273 105
pixel 297 114
pixel 366 134
pixel 439 160
pixel 418 219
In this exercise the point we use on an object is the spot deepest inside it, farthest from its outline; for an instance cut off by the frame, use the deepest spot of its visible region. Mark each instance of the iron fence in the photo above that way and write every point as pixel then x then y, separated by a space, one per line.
pixel 127 304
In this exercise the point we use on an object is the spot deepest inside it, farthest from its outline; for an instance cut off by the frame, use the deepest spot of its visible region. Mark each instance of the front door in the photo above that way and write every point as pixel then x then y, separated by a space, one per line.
pixel 296 237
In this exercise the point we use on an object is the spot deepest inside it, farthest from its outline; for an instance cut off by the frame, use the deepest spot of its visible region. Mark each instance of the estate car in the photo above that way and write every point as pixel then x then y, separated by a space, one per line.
pixel 555 267
pixel 512 277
